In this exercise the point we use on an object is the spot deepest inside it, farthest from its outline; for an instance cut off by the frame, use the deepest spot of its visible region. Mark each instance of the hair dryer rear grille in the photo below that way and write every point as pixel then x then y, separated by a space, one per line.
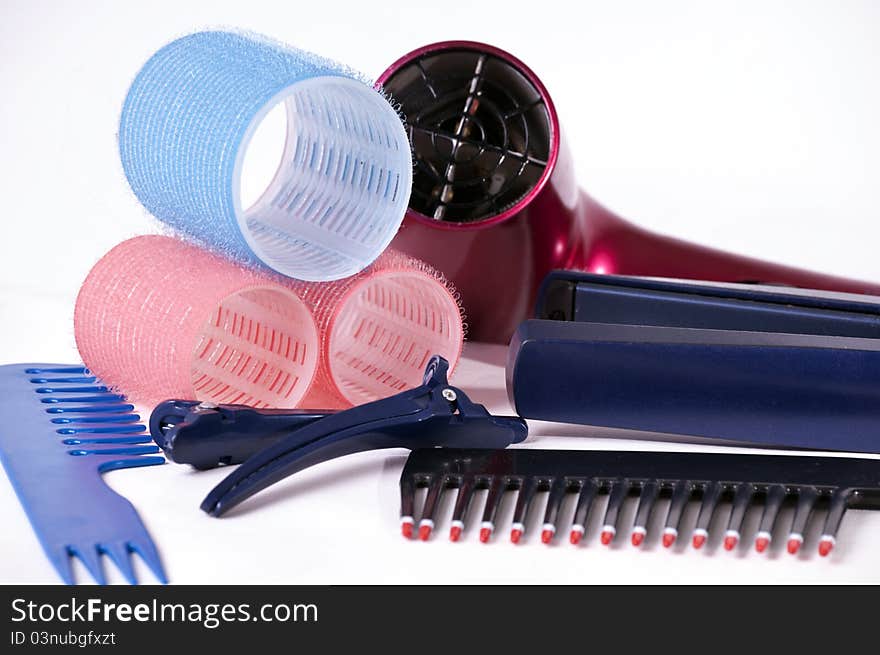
pixel 481 132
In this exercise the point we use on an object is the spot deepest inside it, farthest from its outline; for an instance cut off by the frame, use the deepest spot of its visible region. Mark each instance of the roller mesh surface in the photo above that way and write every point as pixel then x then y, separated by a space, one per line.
pixel 341 188
pixel 160 318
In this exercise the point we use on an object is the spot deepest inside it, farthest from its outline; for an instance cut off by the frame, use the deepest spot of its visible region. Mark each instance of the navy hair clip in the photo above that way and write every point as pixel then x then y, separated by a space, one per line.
pixel 285 442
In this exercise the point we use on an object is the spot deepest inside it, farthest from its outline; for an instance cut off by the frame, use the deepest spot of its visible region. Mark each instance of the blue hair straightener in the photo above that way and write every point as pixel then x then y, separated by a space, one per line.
pixel 774 366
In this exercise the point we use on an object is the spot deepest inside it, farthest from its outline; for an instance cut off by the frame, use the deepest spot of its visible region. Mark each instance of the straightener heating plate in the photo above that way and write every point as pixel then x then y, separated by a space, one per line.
pixel 833 484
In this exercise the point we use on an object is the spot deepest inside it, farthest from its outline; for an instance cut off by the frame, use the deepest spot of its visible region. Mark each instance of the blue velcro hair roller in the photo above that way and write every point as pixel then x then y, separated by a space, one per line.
pixel 343 183
pixel 768 365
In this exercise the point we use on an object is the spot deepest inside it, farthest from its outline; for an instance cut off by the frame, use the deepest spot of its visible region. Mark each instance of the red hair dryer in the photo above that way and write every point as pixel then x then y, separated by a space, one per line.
pixel 495 205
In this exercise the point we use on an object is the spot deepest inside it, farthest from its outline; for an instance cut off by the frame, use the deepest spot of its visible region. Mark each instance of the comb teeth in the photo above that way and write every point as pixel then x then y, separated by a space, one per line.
pixel 94 430
pixel 808 483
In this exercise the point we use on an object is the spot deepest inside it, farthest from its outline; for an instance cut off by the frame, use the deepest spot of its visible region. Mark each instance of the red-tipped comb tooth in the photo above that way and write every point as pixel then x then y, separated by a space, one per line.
pixel 637 538
pixel 698 541
pixel 516 535
pixel 606 537
pixel 454 533
pixel 761 544
pixel 668 539
pixel 825 546
pixel 794 545
pixel 730 542
pixel 406 529
pixel 574 537
pixel 485 533
pixel 546 536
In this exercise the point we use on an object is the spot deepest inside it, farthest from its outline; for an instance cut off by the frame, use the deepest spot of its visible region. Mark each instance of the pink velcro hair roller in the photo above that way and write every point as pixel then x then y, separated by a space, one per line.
pixel 160 318
pixel 380 328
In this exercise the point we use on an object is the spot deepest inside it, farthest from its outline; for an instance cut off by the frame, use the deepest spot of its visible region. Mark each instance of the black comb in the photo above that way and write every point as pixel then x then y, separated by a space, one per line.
pixel 809 483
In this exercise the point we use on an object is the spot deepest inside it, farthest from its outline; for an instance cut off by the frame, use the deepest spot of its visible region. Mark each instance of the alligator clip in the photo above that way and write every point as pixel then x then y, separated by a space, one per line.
pixel 434 414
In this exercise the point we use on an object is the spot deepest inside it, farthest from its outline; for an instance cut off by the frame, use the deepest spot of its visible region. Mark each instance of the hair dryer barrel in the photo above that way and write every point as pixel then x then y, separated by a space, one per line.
pixel 495 204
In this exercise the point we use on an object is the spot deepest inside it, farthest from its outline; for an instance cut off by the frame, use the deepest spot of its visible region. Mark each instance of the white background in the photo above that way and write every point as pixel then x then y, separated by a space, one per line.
pixel 751 126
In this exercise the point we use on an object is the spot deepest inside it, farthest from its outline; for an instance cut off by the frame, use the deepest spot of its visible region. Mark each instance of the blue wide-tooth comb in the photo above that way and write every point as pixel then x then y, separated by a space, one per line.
pixel 60 430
